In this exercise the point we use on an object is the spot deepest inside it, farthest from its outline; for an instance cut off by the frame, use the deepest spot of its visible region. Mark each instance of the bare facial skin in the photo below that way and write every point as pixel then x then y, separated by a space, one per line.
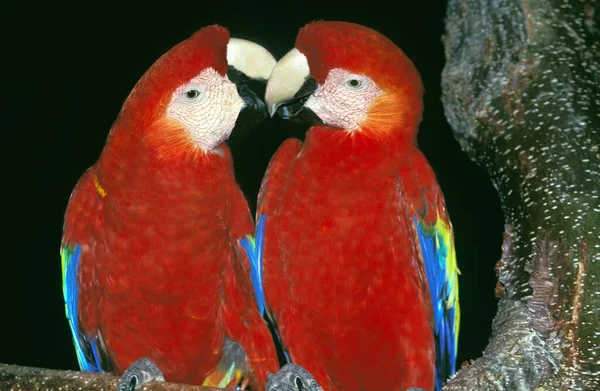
pixel 207 107
pixel 344 99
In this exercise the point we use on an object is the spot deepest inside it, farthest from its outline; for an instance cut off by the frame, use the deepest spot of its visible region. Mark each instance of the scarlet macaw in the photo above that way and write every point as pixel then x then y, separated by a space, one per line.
pixel 355 261
pixel 151 259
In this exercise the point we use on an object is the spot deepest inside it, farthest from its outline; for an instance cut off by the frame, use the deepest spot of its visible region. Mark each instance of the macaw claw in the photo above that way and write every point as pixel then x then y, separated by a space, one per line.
pixel 292 377
pixel 142 371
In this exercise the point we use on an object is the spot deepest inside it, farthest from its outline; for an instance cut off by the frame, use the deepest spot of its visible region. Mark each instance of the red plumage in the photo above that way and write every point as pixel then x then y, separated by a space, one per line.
pixel 146 102
pixel 343 277
pixel 161 274
pixel 329 45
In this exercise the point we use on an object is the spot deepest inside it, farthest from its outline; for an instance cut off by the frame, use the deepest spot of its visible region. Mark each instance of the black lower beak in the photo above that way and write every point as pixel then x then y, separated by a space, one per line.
pixel 295 111
pixel 254 110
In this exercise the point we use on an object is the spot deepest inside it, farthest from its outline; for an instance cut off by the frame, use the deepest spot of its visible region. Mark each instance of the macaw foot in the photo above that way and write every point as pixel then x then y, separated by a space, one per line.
pixel 416 389
pixel 142 371
pixel 292 377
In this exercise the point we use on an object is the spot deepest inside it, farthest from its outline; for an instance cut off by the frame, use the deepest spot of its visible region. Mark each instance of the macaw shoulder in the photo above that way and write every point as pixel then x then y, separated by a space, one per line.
pixel 288 150
pixel 83 210
pixel 422 190
pixel 282 159
pixel 277 170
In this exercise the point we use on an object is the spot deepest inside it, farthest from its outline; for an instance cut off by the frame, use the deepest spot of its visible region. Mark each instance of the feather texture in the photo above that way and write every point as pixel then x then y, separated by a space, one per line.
pixel 435 238
pixel 151 260
pixel 253 248
pixel 359 266
pixel 437 252
pixel 87 352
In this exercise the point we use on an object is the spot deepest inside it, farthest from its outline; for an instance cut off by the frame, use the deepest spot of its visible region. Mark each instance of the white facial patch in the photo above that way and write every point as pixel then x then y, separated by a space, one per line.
pixel 207 107
pixel 344 99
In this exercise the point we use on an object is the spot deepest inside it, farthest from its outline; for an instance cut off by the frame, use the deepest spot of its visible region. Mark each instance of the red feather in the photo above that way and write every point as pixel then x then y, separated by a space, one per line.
pixel 359 49
pixel 342 277
pixel 342 273
pixel 148 99
pixel 161 275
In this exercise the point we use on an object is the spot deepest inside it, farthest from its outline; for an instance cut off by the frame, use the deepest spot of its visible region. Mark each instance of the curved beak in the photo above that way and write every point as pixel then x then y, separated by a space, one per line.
pixel 289 86
pixel 250 58
pixel 249 63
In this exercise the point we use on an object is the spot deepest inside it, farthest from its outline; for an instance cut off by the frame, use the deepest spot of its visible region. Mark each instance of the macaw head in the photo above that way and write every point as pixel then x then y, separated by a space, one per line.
pixel 193 96
pixel 349 77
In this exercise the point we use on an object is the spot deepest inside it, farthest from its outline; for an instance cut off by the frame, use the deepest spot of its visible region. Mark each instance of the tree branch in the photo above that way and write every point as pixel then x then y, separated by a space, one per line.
pixel 14 377
pixel 521 90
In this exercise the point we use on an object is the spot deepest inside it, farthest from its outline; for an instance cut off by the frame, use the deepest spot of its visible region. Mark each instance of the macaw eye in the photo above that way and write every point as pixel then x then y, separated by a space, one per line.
pixel 192 96
pixel 356 84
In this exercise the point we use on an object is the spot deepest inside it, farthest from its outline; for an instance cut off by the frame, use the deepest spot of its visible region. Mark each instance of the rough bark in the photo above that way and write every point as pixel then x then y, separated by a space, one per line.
pixel 16 378
pixel 521 90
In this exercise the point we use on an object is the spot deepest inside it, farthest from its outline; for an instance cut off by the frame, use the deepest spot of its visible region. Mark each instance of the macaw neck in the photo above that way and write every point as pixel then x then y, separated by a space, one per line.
pixel 357 152
pixel 128 170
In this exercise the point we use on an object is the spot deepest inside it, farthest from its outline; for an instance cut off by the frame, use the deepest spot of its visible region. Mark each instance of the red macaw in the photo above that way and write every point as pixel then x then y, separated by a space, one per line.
pixel 355 257
pixel 151 259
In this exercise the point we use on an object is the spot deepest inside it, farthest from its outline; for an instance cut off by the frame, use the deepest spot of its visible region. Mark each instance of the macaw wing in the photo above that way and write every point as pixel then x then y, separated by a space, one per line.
pixel 268 197
pixel 436 244
pixel 270 191
pixel 86 348
pixel 253 248
pixel 231 368
pixel 83 210
pixel 437 252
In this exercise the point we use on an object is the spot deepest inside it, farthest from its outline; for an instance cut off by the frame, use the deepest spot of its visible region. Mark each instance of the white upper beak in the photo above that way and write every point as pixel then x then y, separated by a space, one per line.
pixel 250 58
pixel 287 78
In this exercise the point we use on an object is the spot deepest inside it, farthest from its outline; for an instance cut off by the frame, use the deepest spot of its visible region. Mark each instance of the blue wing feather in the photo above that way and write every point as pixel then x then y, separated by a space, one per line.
pixel 437 251
pixel 253 246
pixel 86 350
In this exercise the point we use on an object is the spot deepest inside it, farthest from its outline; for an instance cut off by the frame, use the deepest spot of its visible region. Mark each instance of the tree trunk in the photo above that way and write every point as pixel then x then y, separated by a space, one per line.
pixel 13 377
pixel 521 90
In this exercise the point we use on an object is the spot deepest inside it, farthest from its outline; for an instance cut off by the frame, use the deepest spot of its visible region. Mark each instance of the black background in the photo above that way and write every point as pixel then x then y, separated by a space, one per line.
pixel 71 67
